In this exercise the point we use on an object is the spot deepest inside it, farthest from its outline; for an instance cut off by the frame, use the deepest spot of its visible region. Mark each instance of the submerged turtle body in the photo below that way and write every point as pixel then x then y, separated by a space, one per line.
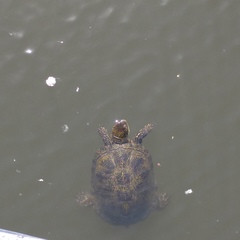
pixel 124 190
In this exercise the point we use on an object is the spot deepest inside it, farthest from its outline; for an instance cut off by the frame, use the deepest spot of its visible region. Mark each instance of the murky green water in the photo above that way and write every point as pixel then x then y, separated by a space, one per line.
pixel 174 63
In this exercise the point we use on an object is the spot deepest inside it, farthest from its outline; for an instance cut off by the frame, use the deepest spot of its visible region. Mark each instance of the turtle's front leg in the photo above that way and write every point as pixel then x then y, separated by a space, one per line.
pixel 104 135
pixel 143 133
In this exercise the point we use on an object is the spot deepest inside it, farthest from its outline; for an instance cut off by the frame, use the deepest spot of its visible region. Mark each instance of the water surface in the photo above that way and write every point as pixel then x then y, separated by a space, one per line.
pixel 174 63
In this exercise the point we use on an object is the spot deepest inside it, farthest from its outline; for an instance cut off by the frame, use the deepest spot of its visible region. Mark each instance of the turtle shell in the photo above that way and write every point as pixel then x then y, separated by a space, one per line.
pixel 123 183
pixel 123 188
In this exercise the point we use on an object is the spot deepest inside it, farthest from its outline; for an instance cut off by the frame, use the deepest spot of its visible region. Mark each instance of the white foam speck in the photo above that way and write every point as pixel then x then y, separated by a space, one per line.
pixel 189 191
pixel 163 2
pixel 51 81
pixel 65 128
pixel 29 51
pixel 16 34
pixel 71 18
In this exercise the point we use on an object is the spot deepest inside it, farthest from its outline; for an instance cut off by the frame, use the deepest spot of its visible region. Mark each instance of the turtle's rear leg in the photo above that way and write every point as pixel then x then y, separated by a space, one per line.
pixel 85 199
pixel 162 201
pixel 143 133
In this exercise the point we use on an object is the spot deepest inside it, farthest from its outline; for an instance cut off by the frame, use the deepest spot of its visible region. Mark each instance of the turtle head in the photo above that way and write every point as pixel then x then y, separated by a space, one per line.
pixel 120 131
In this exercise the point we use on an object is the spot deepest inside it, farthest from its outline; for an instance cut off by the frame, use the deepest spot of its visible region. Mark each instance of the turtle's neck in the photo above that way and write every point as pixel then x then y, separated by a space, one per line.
pixel 117 140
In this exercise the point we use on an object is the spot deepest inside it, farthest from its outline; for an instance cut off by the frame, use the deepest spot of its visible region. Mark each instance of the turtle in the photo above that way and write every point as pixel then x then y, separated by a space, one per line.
pixel 123 187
